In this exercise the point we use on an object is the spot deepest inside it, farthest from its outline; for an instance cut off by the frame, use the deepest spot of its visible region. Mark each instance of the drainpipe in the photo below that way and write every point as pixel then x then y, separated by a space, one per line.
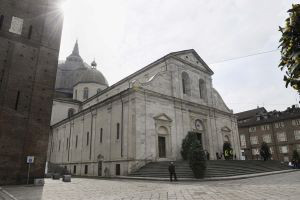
pixel 122 121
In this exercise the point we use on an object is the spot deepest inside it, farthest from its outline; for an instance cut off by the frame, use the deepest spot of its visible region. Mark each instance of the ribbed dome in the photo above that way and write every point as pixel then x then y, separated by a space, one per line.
pixel 92 76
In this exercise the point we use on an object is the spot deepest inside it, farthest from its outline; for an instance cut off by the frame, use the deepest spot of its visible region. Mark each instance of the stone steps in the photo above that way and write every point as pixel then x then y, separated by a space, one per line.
pixel 215 168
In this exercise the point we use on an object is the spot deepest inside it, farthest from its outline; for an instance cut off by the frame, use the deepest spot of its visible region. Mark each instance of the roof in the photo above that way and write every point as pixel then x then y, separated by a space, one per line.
pixel 250 113
pixel 92 76
pixel 270 117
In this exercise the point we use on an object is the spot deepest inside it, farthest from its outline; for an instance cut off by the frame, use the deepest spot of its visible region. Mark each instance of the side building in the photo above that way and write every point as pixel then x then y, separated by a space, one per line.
pixel 110 131
pixel 279 129
pixel 30 34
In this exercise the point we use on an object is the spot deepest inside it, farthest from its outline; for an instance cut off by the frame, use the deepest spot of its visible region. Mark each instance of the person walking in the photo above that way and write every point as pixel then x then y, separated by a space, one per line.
pixel 172 171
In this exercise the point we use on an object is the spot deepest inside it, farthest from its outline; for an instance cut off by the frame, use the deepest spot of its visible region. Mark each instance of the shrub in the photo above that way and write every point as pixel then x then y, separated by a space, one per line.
pixel 197 159
pixel 186 144
pixel 296 156
pixel 265 151
pixel 193 152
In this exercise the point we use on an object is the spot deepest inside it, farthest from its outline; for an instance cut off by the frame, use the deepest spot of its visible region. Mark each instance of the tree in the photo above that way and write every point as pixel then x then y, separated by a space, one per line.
pixel 187 143
pixel 197 159
pixel 193 152
pixel 265 151
pixel 290 48
pixel 296 156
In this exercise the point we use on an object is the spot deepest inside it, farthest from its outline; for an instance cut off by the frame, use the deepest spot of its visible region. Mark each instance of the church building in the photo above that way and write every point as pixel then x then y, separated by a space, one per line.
pixel 102 130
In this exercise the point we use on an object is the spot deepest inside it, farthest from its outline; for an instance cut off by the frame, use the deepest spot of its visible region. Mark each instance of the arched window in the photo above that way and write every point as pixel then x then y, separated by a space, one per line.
pixel 186 85
pixel 202 89
pixel 85 93
pixel 71 112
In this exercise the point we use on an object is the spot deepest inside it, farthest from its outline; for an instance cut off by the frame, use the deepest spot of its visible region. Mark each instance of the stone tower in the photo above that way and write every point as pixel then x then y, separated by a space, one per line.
pixel 30 34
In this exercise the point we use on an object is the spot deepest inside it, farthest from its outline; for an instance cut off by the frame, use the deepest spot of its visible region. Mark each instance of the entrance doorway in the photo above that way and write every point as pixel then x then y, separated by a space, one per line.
pixel 162 146
pixel 199 137
pixel 100 168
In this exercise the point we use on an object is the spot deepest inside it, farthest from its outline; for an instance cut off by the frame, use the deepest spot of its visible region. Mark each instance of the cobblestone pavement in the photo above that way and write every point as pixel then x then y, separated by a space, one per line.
pixel 280 186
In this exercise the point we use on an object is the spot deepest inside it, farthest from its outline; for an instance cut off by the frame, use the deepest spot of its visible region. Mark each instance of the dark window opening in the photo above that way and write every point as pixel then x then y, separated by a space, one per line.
pixel 118 131
pixel 67 143
pixel 87 138
pixel 30 32
pixel 76 142
pixel 85 169
pixel 85 93
pixel 1 76
pixel 1 21
pixel 59 146
pixel 71 112
pixel 74 169
pixel 17 100
pixel 118 169
pixel 101 135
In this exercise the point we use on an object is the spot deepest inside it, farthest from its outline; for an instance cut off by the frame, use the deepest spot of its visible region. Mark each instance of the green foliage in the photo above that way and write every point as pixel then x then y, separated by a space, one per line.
pixel 265 151
pixel 227 151
pixel 290 48
pixel 197 159
pixel 193 152
pixel 296 155
pixel 186 144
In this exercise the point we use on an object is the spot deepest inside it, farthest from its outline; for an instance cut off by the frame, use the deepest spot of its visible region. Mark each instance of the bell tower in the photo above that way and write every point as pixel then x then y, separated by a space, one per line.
pixel 30 34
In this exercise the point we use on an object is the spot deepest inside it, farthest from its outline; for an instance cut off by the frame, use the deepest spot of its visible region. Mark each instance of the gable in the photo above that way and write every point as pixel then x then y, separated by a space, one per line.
pixel 192 58
pixel 163 117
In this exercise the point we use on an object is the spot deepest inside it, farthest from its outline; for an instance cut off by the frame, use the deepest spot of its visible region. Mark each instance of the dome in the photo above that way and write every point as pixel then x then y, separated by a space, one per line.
pixel 74 70
pixel 92 76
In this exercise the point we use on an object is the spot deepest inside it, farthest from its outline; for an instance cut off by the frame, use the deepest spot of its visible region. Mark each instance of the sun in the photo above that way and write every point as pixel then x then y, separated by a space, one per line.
pixel 65 5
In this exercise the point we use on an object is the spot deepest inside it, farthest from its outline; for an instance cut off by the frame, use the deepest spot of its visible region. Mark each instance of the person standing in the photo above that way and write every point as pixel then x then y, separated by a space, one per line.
pixel 172 171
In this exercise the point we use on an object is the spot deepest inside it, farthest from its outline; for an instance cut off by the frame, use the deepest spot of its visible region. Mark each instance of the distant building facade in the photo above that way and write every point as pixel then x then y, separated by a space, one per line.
pixel 99 130
pixel 280 130
pixel 30 34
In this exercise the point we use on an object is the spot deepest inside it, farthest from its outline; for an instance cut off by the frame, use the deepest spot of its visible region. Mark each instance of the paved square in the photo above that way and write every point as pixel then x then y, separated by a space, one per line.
pixel 281 186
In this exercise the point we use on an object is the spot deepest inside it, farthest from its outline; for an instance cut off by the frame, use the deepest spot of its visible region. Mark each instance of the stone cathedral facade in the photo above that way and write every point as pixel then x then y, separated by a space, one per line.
pixel 101 130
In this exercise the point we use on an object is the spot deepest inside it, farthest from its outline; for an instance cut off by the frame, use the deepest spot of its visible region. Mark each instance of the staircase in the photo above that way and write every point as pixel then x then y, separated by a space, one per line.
pixel 215 168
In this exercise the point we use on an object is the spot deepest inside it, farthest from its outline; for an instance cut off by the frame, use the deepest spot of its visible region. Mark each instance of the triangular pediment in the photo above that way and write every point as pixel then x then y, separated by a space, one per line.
pixel 163 117
pixel 226 129
pixel 192 58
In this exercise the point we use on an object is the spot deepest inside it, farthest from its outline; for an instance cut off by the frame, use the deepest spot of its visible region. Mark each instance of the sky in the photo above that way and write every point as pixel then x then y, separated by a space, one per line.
pixel 125 35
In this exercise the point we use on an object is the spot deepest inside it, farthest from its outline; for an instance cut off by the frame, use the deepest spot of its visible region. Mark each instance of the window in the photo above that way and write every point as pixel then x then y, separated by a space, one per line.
pixel 265 127
pixel 86 169
pixel 67 143
pixel 252 129
pixel 283 149
pixel 254 140
pixel 267 138
pixel 243 141
pixel 286 159
pixel 296 122
pixel 1 21
pixel 76 141
pixel 74 169
pixel 279 125
pixel 85 93
pixel 59 146
pixel 71 112
pixel 202 89
pixel 186 85
pixel 98 90
pixel 16 25
pixel 118 131
pixel 17 100
pixel 101 134
pixel 87 138
pixel 29 32
pixel 297 134
pixel 118 169
pixel 255 151
pixel 75 94
pixel 281 137
pixel 271 150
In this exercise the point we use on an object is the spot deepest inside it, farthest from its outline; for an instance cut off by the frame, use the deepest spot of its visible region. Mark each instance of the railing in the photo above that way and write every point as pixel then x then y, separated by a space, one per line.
pixel 141 163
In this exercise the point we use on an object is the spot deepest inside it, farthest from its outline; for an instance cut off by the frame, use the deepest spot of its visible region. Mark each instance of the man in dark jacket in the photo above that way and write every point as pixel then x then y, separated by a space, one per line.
pixel 172 171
